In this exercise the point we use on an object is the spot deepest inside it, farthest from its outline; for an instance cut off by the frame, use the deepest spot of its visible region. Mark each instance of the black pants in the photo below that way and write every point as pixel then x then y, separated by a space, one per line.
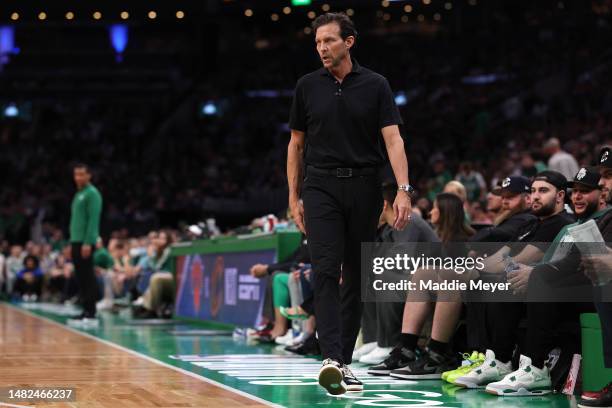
pixel 340 213
pixel 550 323
pixel 389 317
pixel 86 279
pixel 368 322
pixel 503 320
pixel 23 287
pixel 605 316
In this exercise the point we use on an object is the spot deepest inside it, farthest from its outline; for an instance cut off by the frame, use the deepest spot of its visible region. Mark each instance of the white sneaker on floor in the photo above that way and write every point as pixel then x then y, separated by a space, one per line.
pixel 297 339
pixel 489 371
pixel 376 356
pixel 104 304
pixel 363 350
pixel 285 339
pixel 527 380
pixel 84 323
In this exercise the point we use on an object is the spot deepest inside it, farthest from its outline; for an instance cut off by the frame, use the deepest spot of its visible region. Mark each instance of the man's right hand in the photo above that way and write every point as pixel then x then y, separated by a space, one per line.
pixel 297 212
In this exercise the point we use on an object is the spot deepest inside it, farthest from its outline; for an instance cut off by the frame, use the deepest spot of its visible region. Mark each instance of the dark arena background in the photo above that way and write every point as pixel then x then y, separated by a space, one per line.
pixel 178 113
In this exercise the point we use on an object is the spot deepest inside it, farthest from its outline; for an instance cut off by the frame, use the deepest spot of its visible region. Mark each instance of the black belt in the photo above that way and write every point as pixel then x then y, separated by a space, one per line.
pixel 343 172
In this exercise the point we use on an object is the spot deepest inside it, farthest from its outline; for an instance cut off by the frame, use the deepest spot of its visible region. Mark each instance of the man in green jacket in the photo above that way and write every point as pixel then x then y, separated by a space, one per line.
pixel 84 230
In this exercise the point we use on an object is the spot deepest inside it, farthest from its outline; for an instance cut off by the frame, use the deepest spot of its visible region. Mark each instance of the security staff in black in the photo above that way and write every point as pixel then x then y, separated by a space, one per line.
pixel 342 117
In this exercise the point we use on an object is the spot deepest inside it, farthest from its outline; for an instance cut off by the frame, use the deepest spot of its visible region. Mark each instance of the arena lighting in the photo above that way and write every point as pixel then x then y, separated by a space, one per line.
pixel 400 98
pixel 209 109
pixel 301 2
pixel 42 15
pixel 7 44
pixel 152 15
pixel 180 14
pixel 325 7
pixel 248 12
pixel 11 111
pixel 124 15
pixel 119 39
pixel 69 15
pixel 97 15
pixel 15 16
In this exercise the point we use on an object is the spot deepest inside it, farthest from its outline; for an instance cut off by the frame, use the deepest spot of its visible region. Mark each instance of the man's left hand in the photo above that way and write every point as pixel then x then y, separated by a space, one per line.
pixel 402 208
pixel 85 251
pixel 519 278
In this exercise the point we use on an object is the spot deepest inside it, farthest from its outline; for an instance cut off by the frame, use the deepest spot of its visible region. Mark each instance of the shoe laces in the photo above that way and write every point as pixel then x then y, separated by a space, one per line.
pixel 331 361
pixel 348 373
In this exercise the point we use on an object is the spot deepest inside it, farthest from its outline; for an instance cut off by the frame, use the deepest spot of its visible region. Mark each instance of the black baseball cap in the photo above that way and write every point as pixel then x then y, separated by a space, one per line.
pixel 552 177
pixel 605 158
pixel 515 185
pixel 588 177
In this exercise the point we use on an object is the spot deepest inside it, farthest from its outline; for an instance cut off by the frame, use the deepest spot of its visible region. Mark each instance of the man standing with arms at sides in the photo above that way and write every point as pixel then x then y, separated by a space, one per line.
pixel 338 116
pixel 84 230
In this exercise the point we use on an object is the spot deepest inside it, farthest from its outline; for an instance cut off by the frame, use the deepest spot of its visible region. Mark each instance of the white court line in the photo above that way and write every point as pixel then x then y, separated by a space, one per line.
pixel 151 359
pixel 5 404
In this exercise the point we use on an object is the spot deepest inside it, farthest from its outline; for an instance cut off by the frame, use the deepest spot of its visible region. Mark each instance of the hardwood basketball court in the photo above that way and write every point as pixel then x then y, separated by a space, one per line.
pixel 124 364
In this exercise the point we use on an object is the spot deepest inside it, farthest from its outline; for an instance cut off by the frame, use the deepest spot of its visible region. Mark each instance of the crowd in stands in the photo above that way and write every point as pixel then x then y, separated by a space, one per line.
pixel 135 270
pixel 478 103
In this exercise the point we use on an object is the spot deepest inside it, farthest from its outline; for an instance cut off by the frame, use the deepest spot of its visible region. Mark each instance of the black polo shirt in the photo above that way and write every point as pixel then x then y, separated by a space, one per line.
pixel 343 121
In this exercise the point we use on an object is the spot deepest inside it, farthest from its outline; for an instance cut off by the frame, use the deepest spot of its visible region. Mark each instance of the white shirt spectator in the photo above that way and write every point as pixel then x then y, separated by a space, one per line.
pixel 564 163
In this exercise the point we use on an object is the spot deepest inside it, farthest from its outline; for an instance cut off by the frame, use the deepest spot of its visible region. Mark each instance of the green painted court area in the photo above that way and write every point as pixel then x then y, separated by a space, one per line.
pixel 273 375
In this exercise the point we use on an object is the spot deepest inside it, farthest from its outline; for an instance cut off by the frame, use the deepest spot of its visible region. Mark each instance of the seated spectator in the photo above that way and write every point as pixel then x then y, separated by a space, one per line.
pixel 271 312
pixel 14 264
pixel 28 285
pixel 472 180
pixel 386 317
pixel 405 361
pixel 159 295
pixel 560 160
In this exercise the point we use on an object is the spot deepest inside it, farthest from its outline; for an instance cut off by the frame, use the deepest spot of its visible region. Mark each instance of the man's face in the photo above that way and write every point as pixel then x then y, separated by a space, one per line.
pixel 605 182
pixel 511 201
pixel 543 198
pixel 331 47
pixel 81 177
pixel 585 200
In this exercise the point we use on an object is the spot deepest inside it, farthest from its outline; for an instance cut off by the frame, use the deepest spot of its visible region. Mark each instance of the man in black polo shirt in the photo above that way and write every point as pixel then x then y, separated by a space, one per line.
pixel 338 115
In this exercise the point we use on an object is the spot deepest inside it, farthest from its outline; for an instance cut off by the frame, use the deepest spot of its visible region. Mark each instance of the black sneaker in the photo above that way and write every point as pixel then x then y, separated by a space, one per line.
pixel 331 377
pixel 398 358
pixel 352 383
pixel 429 366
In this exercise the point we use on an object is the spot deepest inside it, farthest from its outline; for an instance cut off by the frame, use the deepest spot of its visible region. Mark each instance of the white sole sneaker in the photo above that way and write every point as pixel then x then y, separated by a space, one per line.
pixel 331 378
pixel 354 388
pixel 521 392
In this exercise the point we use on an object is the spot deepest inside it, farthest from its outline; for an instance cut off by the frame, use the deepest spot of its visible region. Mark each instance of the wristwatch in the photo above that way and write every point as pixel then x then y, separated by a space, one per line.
pixel 407 188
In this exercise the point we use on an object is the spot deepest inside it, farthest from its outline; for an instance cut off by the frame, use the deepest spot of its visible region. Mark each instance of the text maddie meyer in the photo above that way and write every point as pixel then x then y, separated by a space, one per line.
pixel 448 285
